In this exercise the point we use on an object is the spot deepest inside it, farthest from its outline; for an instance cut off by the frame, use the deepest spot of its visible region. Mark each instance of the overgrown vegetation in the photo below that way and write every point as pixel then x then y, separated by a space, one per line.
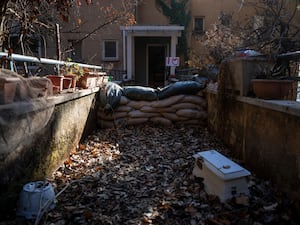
pixel 23 22
pixel 272 30
pixel 178 14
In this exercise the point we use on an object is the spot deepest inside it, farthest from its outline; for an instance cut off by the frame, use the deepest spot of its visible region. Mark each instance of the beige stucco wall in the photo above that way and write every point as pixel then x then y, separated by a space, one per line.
pixel 211 9
pixel 86 19
pixel 148 14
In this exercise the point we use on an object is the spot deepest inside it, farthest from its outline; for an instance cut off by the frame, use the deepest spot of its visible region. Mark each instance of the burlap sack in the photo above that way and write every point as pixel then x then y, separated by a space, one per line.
pixel 139 114
pixel 167 102
pixel 136 121
pixel 161 121
pixel 198 100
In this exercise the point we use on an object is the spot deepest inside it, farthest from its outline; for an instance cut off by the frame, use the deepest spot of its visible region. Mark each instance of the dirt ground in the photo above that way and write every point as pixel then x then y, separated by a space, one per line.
pixel 143 175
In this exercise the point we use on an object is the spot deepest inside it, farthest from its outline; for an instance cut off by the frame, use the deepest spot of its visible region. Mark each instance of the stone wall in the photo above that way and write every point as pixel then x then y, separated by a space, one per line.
pixel 39 139
pixel 265 134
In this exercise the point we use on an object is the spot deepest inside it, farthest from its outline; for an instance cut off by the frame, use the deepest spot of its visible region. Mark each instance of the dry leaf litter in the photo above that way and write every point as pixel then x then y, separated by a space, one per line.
pixel 143 175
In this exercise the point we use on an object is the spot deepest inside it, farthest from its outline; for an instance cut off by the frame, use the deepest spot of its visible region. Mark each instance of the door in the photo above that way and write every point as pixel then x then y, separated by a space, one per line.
pixel 156 65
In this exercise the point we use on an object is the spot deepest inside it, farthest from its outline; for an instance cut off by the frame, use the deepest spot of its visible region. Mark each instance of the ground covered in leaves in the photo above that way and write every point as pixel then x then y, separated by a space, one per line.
pixel 143 175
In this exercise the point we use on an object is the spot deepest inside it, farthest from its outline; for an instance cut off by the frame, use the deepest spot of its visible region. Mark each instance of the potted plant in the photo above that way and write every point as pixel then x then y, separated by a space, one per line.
pixel 71 70
pixel 274 84
pixel 92 79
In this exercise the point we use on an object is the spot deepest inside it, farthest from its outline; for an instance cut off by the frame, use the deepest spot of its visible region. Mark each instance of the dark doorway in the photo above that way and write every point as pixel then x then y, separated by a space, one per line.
pixel 156 65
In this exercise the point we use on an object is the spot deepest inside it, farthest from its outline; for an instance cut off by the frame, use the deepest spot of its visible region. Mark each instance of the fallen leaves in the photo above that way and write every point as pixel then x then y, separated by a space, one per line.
pixel 143 175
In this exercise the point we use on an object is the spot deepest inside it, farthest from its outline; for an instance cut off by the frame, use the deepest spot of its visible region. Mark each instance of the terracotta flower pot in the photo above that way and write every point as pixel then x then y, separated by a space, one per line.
pixel 272 89
pixel 57 82
pixel 72 85
pixel 90 80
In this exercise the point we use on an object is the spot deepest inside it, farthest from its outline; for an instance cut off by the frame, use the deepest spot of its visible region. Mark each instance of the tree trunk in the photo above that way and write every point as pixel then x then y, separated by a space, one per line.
pixel 3 32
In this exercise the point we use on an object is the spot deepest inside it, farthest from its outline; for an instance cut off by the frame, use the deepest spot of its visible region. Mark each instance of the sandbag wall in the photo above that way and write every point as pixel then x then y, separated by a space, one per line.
pixel 184 105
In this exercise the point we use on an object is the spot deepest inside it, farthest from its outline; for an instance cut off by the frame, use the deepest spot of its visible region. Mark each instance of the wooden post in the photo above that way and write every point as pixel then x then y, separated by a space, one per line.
pixel 58 47
pixel 58 51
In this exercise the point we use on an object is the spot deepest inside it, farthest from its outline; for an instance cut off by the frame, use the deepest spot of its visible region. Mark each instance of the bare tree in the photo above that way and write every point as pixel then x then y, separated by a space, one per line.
pixel 113 12
pixel 272 28
pixel 28 18
pixel 275 26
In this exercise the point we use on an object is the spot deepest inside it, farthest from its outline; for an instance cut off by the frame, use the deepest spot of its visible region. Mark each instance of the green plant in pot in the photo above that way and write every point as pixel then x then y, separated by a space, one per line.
pixel 71 70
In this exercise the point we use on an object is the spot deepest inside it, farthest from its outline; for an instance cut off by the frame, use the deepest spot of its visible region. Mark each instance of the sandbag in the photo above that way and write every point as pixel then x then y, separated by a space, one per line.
pixel 113 116
pixel 191 113
pixel 140 93
pixel 138 104
pixel 120 122
pixel 139 114
pixel 167 102
pixel 124 100
pixel 179 88
pixel 161 121
pixel 136 121
pixel 173 117
pixel 124 108
pixel 150 109
pixel 198 100
pixel 186 105
pixel 110 96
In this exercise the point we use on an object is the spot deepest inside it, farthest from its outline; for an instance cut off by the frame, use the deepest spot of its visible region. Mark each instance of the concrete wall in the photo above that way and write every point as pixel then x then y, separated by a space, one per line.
pixel 265 134
pixel 37 148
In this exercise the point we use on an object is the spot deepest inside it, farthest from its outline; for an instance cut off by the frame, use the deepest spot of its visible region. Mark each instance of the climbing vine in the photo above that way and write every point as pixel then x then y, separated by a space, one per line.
pixel 177 13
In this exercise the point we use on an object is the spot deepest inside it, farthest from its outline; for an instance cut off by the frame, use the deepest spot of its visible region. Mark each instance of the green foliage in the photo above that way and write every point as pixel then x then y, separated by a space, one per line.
pixel 178 14
pixel 70 67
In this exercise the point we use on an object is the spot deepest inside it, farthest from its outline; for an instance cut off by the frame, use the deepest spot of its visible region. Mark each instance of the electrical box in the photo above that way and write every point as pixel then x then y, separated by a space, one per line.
pixel 222 176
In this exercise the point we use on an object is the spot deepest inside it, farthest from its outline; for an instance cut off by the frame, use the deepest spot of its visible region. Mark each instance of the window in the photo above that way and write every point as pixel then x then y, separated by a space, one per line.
pixel 225 18
pixel 198 25
pixel 110 50
pixel 32 45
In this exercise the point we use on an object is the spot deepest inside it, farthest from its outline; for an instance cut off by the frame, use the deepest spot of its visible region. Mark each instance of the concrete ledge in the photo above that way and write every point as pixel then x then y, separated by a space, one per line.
pixel 35 104
pixel 58 99
pixel 285 106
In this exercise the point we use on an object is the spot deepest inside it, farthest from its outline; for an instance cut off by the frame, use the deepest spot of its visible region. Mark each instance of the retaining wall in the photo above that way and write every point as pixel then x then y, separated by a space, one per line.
pixel 265 134
pixel 38 138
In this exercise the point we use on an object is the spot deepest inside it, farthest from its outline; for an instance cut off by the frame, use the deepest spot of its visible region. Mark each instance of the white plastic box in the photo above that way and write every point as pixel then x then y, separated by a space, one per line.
pixel 222 176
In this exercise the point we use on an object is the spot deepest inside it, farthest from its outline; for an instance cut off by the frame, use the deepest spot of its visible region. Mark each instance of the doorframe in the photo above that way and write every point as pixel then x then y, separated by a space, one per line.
pixel 166 47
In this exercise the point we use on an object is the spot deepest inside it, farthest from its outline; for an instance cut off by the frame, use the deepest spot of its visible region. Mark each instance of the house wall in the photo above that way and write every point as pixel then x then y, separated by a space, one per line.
pixel 85 20
pixel 211 10
pixel 148 14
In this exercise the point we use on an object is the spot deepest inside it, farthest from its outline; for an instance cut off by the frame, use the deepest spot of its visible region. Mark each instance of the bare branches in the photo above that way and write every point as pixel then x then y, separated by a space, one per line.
pixel 278 30
pixel 110 14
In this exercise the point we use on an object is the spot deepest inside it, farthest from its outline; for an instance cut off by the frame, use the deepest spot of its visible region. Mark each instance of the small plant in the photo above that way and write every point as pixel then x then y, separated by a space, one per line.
pixel 70 67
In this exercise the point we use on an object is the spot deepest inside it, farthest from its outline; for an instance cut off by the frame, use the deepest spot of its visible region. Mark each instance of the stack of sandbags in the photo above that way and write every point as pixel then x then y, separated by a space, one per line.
pixel 177 109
